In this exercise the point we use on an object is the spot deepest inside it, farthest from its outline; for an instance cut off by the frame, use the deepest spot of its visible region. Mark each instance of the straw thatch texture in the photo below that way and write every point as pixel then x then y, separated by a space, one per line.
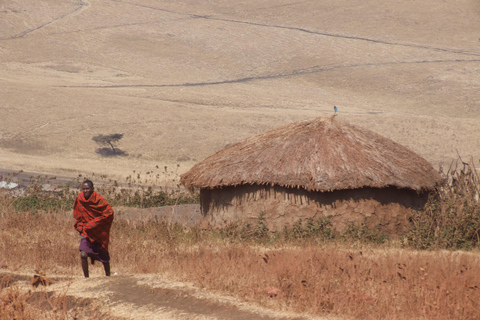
pixel 317 155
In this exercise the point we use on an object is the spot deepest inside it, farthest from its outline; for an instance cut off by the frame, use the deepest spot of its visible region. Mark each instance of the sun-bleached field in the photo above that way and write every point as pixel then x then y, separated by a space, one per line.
pixel 183 79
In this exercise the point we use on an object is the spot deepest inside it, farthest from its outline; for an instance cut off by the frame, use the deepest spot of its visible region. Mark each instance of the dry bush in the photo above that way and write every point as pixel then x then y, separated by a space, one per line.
pixel 451 218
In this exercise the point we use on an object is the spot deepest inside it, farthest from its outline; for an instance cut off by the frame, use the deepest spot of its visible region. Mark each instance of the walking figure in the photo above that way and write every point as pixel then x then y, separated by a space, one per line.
pixel 93 219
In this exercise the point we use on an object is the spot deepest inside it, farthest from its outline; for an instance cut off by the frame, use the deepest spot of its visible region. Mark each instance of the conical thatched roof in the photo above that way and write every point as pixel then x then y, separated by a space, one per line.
pixel 318 155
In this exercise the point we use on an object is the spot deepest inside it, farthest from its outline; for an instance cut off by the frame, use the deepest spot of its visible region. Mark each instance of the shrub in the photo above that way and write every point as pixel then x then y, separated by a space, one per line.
pixel 319 228
pixel 361 233
pixel 451 218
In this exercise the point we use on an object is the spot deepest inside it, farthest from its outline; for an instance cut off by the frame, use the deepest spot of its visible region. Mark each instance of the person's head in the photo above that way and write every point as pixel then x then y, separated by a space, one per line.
pixel 87 188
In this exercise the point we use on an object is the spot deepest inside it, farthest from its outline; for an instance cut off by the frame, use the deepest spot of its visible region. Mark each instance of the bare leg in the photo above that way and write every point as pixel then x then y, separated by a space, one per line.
pixel 84 258
pixel 106 266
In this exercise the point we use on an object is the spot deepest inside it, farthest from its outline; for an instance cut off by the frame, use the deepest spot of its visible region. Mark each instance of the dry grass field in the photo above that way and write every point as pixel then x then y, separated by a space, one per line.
pixel 161 272
pixel 182 79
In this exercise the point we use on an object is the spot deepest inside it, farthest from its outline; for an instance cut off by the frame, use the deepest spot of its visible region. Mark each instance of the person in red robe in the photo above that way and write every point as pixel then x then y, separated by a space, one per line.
pixel 93 220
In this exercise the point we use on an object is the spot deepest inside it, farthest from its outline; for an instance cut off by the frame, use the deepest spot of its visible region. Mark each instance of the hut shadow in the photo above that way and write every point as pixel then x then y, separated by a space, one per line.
pixel 228 196
pixel 384 196
pixel 109 152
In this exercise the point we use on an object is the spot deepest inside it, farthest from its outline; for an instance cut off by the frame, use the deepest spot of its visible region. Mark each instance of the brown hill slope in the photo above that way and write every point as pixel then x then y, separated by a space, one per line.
pixel 182 79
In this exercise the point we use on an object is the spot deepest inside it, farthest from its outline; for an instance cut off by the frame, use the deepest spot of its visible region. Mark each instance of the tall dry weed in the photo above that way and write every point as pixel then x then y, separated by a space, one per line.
pixel 42 241
pixel 451 218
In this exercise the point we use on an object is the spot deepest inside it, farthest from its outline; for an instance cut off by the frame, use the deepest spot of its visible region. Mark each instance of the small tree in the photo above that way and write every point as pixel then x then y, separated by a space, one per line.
pixel 109 140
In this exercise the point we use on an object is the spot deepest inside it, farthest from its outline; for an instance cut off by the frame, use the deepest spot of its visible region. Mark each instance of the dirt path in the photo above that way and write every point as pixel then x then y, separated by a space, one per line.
pixel 151 297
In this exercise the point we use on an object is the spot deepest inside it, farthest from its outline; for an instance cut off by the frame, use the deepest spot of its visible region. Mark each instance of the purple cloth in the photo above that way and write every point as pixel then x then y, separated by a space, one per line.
pixel 94 250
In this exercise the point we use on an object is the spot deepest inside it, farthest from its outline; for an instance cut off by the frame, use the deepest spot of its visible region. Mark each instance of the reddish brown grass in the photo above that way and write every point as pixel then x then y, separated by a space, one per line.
pixel 362 282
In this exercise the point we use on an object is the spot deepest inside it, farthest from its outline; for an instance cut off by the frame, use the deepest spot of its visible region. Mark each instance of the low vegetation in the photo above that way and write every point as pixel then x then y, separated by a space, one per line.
pixel 433 272
pixel 41 304
pixel 152 189
pixel 451 219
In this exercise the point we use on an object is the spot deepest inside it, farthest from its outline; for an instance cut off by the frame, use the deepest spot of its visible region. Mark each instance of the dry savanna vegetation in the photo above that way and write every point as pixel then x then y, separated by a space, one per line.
pixel 307 269
pixel 115 86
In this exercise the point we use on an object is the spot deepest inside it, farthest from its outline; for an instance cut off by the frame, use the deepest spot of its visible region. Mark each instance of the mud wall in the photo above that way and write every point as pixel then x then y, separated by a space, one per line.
pixel 390 208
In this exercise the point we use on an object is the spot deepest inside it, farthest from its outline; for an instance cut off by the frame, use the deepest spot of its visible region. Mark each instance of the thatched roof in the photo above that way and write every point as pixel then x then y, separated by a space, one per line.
pixel 322 154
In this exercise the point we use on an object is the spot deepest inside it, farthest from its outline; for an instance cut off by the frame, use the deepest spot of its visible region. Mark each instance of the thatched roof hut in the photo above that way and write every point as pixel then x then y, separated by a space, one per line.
pixel 315 157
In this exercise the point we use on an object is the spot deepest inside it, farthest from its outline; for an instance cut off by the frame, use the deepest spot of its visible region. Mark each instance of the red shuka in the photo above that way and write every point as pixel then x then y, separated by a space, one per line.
pixel 93 217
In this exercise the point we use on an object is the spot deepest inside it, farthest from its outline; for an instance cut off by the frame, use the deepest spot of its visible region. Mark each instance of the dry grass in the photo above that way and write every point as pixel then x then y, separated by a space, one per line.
pixel 304 274
pixel 451 218
pixel 361 282
pixel 357 281
pixel 16 303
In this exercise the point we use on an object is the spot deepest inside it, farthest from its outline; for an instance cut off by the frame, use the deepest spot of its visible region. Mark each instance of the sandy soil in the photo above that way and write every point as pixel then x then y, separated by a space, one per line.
pixel 182 79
